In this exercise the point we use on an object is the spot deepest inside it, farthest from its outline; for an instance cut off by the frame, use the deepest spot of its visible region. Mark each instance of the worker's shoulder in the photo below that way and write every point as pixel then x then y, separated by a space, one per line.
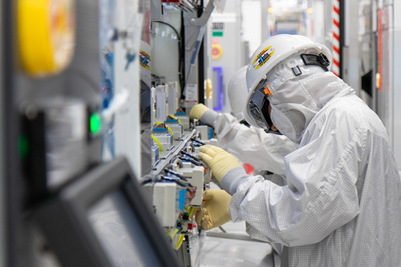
pixel 353 113
pixel 347 107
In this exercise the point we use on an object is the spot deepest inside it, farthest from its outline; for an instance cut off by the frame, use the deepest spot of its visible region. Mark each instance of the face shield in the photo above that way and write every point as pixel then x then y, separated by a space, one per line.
pixel 292 67
pixel 258 106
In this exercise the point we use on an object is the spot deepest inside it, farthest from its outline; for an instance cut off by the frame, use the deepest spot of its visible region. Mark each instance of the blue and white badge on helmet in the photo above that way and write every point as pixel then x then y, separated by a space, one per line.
pixel 263 57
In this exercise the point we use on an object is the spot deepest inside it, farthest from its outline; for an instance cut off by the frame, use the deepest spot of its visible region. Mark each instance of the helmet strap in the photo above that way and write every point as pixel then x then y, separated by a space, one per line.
pixel 310 59
pixel 318 60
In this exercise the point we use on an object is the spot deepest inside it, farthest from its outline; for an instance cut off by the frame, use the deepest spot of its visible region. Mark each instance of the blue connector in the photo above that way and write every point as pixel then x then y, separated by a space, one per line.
pixel 160 130
pixel 181 199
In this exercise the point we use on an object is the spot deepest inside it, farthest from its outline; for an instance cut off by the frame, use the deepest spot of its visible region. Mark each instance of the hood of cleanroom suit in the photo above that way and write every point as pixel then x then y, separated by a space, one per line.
pixel 341 205
pixel 296 100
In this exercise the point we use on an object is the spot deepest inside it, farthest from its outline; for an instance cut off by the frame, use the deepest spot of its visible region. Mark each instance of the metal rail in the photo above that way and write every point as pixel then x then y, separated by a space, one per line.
pixel 174 152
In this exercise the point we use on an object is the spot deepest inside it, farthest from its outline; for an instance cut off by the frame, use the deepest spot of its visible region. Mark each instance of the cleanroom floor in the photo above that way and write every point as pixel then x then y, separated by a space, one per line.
pixel 233 249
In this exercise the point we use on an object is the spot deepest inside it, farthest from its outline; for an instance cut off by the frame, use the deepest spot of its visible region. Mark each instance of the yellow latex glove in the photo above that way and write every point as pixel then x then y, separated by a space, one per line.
pixel 215 210
pixel 197 111
pixel 219 161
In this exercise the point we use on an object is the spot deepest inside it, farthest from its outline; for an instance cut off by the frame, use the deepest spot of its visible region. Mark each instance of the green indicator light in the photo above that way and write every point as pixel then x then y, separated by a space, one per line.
pixel 217 34
pixel 23 146
pixel 95 123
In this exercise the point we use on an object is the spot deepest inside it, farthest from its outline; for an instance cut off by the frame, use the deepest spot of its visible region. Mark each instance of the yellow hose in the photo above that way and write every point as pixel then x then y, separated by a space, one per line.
pixel 168 129
pixel 179 243
pixel 191 212
pixel 158 143
pixel 172 234
pixel 174 117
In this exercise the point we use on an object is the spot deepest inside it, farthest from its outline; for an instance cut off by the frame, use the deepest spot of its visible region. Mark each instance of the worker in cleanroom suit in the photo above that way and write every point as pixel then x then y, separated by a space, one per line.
pixel 264 151
pixel 341 205
pixel 249 144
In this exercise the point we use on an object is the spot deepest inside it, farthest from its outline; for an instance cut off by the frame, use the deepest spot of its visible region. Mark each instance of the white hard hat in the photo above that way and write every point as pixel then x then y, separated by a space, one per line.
pixel 269 54
pixel 238 93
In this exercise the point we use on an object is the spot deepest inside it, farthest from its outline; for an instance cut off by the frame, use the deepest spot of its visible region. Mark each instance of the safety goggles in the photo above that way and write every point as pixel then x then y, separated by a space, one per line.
pixel 258 106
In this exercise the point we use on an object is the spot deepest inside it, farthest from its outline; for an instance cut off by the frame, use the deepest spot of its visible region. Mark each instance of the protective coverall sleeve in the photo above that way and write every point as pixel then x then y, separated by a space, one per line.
pixel 264 151
pixel 320 197
pixel 197 111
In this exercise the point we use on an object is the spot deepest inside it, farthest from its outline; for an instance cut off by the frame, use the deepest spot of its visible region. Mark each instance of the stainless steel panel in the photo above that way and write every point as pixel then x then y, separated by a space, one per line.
pixel 385 95
pixel 366 52
pixel 396 58
pixel 230 42
pixel 388 2
pixel 388 97
pixel 397 99
pixel 397 16
pixel 350 57
pixel 2 176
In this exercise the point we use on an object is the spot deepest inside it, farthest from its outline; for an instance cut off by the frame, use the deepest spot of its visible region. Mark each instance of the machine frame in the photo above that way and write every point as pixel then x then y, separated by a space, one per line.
pixel 65 223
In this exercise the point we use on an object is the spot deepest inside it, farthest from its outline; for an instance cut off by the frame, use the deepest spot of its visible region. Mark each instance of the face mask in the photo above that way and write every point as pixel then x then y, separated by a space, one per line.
pixel 285 125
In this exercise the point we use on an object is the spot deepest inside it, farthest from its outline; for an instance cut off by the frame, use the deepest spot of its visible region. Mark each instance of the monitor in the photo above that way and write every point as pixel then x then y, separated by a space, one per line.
pixel 103 219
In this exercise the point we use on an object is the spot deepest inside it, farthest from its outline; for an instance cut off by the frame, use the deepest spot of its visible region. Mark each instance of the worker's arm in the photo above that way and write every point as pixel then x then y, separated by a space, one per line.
pixel 320 197
pixel 251 145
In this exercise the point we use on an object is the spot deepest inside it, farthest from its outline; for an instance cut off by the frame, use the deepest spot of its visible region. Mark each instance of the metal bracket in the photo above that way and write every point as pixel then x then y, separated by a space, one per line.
pixel 205 15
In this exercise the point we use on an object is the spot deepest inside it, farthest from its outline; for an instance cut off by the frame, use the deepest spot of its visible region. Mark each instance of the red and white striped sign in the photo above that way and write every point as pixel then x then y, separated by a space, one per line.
pixel 336 37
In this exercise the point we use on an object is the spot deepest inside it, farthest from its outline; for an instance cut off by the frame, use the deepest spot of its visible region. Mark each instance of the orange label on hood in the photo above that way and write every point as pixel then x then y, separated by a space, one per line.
pixel 267 91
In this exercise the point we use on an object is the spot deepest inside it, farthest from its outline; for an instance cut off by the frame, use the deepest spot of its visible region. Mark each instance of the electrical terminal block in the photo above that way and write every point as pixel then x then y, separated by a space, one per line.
pixel 184 119
pixel 172 97
pixel 195 176
pixel 161 97
pixel 177 129
pixel 168 201
pixel 204 133
pixel 155 155
pixel 165 140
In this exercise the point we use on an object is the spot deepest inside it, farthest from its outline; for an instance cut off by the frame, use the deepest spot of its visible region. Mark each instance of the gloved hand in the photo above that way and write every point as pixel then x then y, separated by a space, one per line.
pixel 215 210
pixel 219 161
pixel 197 111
